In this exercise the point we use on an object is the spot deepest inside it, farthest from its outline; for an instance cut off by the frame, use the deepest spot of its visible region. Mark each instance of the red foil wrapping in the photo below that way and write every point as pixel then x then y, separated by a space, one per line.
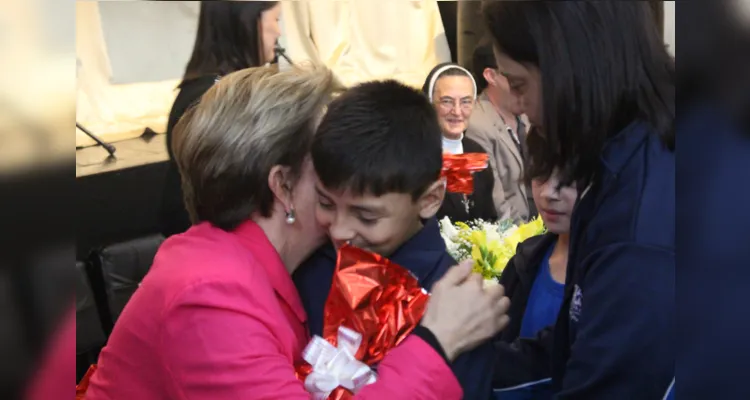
pixel 84 384
pixel 375 297
pixel 458 170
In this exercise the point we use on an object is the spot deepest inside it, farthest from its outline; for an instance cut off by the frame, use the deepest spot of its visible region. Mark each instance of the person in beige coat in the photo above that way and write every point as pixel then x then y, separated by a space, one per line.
pixel 501 131
pixel 350 37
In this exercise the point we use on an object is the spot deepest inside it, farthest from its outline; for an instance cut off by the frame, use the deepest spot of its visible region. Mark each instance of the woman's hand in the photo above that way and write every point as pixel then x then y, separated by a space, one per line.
pixel 462 314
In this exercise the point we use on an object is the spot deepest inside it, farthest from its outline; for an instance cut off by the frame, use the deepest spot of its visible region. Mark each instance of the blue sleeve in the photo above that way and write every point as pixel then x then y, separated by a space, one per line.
pixel 313 281
pixel 625 342
pixel 474 371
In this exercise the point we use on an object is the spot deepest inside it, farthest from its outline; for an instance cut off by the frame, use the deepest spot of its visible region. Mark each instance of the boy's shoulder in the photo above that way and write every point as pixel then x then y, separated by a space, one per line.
pixel 444 263
pixel 428 266
pixel 318 268
pixel 425 255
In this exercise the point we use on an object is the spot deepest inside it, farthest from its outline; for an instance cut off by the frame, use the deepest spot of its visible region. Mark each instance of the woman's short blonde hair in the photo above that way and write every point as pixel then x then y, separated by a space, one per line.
pixel 248 122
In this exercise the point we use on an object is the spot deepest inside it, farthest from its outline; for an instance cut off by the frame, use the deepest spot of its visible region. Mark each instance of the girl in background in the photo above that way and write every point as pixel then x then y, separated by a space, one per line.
pixel 232 35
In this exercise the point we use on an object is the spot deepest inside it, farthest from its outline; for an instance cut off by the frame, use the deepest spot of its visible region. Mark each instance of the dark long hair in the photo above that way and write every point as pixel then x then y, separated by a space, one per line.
pixel 603 65
pixel 228 38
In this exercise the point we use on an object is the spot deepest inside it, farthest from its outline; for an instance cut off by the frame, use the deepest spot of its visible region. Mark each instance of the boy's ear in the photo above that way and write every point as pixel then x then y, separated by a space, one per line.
pixel 430 201
pixel 489 75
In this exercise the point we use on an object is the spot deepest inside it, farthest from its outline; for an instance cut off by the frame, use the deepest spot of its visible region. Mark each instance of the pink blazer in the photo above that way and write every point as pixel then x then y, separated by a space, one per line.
pixel 218 317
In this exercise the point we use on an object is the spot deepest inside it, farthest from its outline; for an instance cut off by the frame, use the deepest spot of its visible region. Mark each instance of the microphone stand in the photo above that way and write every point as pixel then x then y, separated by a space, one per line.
pixel 280 51
pixel 110 148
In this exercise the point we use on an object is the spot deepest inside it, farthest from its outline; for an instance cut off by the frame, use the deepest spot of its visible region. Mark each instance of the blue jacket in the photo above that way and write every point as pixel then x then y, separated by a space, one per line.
pixel 714 249
pixel 615 334
pixel 426 257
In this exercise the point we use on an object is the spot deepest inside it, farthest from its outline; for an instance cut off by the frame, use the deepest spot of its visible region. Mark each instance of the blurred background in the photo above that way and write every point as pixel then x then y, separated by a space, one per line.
pixel 37 245
pixel 113 67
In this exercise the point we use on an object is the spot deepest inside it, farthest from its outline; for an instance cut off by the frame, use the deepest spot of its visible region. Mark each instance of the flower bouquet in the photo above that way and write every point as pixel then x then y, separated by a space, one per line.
pixel 489 245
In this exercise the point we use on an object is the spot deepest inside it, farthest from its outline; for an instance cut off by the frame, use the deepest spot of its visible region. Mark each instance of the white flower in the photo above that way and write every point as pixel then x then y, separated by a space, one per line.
pixel 450 245
pixel 447 227
pixel 491 232
pixel 509 231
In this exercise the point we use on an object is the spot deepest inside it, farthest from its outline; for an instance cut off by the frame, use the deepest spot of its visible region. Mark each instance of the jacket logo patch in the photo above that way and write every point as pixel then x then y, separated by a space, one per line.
pixel 576 304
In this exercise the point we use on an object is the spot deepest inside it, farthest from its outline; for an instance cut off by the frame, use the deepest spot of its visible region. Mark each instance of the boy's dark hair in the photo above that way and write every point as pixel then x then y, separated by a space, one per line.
pixel 603 66
pixel 378 138
pixel 482 58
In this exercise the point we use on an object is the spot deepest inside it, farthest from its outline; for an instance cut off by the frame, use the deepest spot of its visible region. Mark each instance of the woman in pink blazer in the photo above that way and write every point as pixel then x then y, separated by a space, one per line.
pixel 218 316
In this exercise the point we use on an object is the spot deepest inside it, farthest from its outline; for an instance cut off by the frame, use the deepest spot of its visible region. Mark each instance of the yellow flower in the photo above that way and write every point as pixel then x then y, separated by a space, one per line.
pixel 499 253
pixel 491 250
pixel 478 237
pixel 464 231
pixel 485 261
pixel 518 235
pixel 532 228
pixel 486 255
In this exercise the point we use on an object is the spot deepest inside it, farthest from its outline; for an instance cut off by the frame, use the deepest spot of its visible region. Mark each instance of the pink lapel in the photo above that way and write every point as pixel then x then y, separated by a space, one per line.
pixel 255 240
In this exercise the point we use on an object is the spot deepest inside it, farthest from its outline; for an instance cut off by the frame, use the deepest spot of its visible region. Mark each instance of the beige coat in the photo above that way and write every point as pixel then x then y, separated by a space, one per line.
pixel 367 40
pixel 487 128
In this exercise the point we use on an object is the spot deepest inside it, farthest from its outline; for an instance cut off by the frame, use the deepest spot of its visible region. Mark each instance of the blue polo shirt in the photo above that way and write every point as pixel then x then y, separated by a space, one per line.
pixel 544 302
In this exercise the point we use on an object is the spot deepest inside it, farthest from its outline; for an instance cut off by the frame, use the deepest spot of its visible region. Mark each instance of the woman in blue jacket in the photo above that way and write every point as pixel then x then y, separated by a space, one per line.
pixel 596 81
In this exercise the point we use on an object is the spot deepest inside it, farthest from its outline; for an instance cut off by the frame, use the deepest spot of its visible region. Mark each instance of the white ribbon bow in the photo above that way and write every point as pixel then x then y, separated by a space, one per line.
pixel 336 366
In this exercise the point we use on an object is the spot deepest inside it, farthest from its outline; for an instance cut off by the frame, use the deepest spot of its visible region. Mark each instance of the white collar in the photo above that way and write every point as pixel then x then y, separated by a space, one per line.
pixel 453 146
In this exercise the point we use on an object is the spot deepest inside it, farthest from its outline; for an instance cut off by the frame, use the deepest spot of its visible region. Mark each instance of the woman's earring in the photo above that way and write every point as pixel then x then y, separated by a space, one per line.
pixel 290 217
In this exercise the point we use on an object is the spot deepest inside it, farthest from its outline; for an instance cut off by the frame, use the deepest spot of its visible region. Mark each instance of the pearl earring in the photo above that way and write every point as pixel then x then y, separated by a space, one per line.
pixel 290 217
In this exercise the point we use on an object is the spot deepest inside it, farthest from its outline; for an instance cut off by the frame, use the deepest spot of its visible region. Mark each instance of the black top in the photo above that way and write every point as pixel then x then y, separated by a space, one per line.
pixel 480 202
pixel 174 217
pixel 518 279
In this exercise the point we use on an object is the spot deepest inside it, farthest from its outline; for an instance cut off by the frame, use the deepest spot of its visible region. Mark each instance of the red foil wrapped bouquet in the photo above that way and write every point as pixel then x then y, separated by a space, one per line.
pixel 373 306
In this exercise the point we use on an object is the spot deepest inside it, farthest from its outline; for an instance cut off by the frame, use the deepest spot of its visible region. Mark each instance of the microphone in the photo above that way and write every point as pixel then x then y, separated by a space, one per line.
pixel 110 148
pixel 280 51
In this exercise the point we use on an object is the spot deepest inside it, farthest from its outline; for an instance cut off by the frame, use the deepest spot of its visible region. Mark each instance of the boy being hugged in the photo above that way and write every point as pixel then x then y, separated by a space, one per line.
pixel 378 155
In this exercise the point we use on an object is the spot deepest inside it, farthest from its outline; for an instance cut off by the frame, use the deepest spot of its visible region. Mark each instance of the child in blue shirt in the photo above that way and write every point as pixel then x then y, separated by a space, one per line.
pixel 534 279
pixel 378 156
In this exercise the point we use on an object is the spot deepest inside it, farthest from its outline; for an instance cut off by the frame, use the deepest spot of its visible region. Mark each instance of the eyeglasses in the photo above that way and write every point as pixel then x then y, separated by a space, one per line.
pixel 448 104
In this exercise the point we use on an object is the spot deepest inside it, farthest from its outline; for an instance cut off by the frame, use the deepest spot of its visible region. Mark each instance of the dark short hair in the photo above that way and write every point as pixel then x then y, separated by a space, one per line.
pixel 482 58
pixel 228 38
pixel 378 138
pixel 226 145
pixel 603 65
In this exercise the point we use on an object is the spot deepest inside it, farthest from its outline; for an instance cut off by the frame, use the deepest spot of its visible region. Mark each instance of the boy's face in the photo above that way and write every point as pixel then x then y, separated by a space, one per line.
pixel 555 206
pixel 377 224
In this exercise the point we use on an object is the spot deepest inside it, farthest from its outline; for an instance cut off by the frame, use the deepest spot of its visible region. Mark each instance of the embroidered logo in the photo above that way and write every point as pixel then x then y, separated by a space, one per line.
pixel 576 304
